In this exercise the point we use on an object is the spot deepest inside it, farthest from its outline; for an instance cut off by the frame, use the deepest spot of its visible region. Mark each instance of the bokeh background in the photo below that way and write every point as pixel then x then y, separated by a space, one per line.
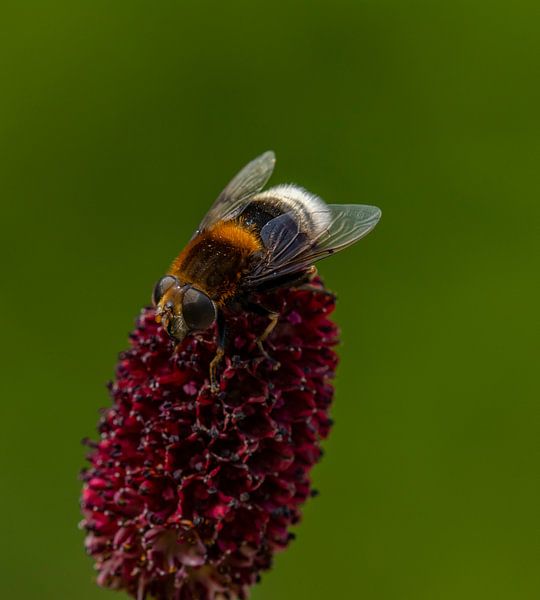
pixel 119 124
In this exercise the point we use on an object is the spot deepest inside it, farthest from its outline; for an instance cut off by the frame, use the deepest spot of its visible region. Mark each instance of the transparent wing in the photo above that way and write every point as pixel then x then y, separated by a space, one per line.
pixel 290 248
pixel 250 180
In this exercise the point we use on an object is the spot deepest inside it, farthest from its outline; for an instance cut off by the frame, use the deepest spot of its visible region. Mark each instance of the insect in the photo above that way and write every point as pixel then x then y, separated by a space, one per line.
pixel 252 241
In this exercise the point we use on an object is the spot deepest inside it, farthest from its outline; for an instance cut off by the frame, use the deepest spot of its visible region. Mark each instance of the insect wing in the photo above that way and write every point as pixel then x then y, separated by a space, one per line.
pixel 290 249
pixel 250 180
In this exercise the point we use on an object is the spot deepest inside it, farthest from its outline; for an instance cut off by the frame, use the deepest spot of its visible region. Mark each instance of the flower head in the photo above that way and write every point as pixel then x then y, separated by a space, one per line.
pixel 189 493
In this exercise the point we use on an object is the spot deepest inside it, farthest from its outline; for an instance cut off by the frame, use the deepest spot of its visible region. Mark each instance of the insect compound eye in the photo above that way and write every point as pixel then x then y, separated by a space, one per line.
pixel 164 284
pixel 198 310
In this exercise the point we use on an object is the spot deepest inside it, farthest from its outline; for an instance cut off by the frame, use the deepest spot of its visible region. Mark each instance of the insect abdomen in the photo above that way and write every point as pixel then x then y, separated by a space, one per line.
pixel 309 211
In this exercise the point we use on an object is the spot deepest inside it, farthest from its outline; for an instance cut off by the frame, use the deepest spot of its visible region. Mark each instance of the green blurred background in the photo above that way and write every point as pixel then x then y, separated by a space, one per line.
pixel 119 124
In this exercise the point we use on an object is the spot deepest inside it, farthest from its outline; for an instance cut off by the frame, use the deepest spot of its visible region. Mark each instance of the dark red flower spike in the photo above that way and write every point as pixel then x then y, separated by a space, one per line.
pixel 189 494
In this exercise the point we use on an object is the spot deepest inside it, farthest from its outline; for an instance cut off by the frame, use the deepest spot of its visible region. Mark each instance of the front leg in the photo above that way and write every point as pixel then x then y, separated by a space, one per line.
pixel 220 352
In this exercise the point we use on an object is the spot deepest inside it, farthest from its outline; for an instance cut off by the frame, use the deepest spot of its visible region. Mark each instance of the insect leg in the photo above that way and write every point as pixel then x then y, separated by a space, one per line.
pixel 290 280
pixel 273 317
pixel 309 287
pixel 299 281
pixel 220 352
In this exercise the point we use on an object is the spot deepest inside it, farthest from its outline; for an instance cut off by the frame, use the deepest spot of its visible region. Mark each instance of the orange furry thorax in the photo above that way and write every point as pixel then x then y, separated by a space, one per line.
pixel 236 235
pixel 215 260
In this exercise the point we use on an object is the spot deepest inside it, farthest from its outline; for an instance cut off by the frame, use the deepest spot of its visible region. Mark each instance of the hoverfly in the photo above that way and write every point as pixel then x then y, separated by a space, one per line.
pixel 252 241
